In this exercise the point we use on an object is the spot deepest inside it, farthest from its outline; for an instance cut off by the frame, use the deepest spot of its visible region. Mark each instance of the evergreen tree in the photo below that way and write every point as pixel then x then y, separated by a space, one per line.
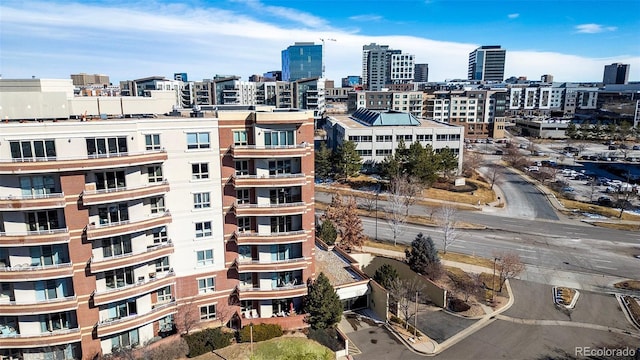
pixel 385 275
pixel 347 160
pixel 448 162
pixel 423 255
pixel 328 232
pixel 389 167
pixel 571 131
pixel 425 166
pixel 322 304
pixel 323 163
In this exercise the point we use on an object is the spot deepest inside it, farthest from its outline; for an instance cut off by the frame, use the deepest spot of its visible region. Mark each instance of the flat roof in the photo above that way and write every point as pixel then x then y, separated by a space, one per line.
pixel 348 122
pixel 337 269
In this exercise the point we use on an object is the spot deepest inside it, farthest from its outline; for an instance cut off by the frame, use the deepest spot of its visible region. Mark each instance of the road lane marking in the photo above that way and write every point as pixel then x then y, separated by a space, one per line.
pixel 602 260
pixel 528 257
pixel 527 250
pixel 604 267
pixel 458 246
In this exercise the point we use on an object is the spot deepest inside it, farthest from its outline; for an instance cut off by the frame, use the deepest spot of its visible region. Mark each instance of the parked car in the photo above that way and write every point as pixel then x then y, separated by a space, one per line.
pixel 499 152
pixel 636 147
pixel 532 168
pixel 613 147
pixel 605 201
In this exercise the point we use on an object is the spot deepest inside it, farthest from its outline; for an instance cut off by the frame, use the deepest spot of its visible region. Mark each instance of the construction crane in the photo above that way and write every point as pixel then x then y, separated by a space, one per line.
pixel 323 40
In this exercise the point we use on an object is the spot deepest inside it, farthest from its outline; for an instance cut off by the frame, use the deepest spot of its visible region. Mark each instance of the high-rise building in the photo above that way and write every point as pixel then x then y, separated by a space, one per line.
pixel 115 231
pixel 421 73
pixel 301 60
pixel 351 81
pixel 382 66
pixel 89 79
pixel 486 63
pixel 616 73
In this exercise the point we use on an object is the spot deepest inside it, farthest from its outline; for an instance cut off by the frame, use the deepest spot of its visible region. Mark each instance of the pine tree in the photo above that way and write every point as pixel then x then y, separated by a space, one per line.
pixel 323 163
pixel 423 256
pixel 385 275
pixel 347 160
pixel 322 304
pixel 328 232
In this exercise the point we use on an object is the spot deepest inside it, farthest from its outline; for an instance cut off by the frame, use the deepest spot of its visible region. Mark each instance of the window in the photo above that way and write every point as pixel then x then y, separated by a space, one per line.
pixel 240 138
pixel 54 322
pixel 243 196
pixel 364 152
pixel 405 138
pixel 441 137
pixel 383 152
pixel 280 224
pixel 198 140
pixel 199 171
pixel 206 285
pixel 384 138
pixel 203 229
pixel 164 294
pixel 201 200
pixel 40 150
pixel 154 174
pixel 47 255
pixel 160 235
pixel 125 339
pixel 244 224
pixel 279 167
pixel 122 309
pixel 113 214
pixel 207 312
pixel 110 180
pixel 104 147
pixel 162 264
pixel 43 220
pixel 205 257
pixel 53 289
pixel 37 185
pixel 157 205
pixel 152 142
pixel 117 245
pixel 242 167
pixel 119 278
pixel 279 138
pixel 282 196
pixel 424 137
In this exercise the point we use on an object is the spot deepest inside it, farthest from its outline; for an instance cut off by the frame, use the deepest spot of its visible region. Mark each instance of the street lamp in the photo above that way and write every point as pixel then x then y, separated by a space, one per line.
pixel 322 39
pixel 493 282
pixel 377 195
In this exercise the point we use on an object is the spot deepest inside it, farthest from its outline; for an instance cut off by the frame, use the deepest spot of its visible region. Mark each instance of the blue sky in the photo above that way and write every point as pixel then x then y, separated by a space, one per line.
pixel 571 40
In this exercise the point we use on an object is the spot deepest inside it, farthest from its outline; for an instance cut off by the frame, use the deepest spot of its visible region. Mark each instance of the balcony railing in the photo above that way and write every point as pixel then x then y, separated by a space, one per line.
pixel 270 209
pixel 254 238
pixel 35 201
pixel 94 161
pixel 132 258
pixel 38 306
pixel 40 237
pixel 52 338
pixel 278 180
pixel 282 292
pixel 102 196
pixel 139 288
pixel 112 326
pixel 270 266
pixel 28 272
pixel 254 151
pixel 95 231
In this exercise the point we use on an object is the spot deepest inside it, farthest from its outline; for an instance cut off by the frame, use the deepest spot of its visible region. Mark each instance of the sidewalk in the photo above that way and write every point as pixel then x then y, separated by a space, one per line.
pixel 426 346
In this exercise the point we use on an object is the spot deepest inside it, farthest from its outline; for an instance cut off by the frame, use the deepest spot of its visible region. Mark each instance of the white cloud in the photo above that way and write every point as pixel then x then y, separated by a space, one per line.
pixel 287 13
pixel 513 16
pixel 136 42
pixel 366 17
pixel 594 28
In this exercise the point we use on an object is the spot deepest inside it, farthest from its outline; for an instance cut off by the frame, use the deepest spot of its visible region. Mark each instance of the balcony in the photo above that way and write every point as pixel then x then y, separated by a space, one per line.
pixel 30 273
pixel 31 202
pixel 38 306
pixel 94 197
pixel 280 180
pixel 31 238
pixel 133 290
pixel 293 208
pixel 59 337
pixel 291 117
pixel 268 152
pixel 131 259
pixel 254 238
pixel 252 293
pixel 270 266
pixel 102 161
pixel 110 327
pixel 127 227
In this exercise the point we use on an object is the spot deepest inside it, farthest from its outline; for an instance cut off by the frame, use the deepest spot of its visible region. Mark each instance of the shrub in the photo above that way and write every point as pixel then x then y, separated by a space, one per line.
pixel 175 350
pixel 458 305
pixel 327 232
pixel 326 337
pixel 207 340
pixel 261 332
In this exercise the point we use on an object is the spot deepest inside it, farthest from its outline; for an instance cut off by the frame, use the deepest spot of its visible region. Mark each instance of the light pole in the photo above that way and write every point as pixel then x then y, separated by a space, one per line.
pixel 415 320
pixel 323 39
pixel 493 282
pixel 377 194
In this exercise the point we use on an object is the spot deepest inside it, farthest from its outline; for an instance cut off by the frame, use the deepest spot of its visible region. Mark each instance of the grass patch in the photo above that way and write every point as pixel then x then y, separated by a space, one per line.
pixel 274 349
pixel 596 209
pixel 386 245
pixel 467 259
pixel 628 285
pixel 616 226
pixel 567 294
pixel 482 194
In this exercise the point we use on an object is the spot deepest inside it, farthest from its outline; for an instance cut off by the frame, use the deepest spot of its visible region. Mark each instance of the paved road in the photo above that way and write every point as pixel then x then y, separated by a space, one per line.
pixel 523 198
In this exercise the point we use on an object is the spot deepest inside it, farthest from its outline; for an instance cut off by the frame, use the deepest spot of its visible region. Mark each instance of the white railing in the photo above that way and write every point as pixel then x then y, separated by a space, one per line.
pixel 267 206
pixel 270 147
pixel 137 284
pixel 134 316
pixel 84 157
pixel 286 286
pixel 256 234
pixel 267 177
pixel 268 262
pixel 39 302
pixel 50 333
pixel 28 267
pixel 33 196
pixel 122 189
pixel 131 254
pixel 127 222
pixel 36 232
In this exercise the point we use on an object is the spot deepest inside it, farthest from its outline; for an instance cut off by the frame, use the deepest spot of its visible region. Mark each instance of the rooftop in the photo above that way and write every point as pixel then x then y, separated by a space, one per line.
pixel 371 118
pixel 336 267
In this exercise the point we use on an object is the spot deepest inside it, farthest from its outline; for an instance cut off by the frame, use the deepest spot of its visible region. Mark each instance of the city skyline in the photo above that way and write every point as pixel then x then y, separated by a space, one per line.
pixel 571 40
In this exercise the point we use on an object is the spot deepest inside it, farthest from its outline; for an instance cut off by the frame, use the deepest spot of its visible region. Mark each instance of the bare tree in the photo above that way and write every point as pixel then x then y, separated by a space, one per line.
pixel 468 286
pixel 396 207
pixel 471 161
pixel 224 312
pixel 508 265
pixel 494 175
pixel 447 222
pixel 404 293
pixel 369 201
pixel 187 317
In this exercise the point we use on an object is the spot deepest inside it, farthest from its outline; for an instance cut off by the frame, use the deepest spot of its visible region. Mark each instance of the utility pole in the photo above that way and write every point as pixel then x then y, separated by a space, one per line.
pixel 323 39
pixel 415 320
pixel 377 195
pixel 493 282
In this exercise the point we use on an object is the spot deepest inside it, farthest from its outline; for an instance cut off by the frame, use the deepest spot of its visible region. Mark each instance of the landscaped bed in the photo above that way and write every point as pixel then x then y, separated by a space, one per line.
pixel 287 347
pixel 628 285
pixel 565 296
pixel 634 307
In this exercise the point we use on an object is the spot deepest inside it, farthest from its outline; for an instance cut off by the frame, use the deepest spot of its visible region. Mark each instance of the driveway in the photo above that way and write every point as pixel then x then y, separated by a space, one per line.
pixel 440 325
